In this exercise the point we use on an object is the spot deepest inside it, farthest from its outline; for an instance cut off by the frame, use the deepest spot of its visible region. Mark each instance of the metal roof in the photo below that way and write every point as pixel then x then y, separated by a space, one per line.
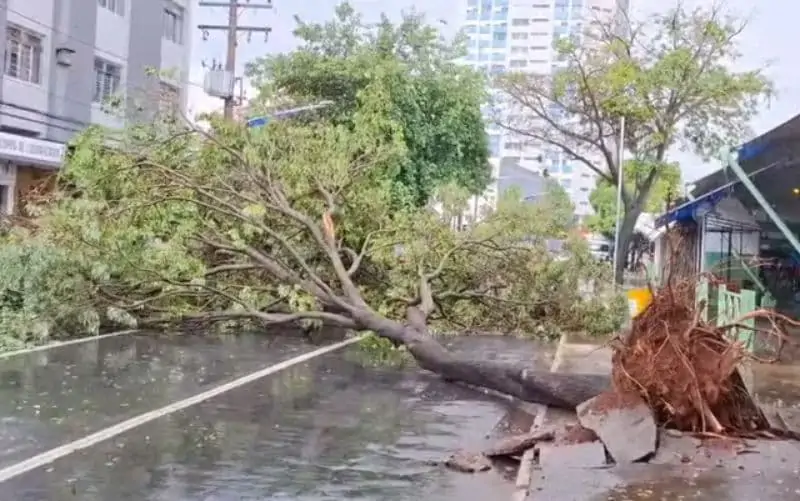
pixel 771 161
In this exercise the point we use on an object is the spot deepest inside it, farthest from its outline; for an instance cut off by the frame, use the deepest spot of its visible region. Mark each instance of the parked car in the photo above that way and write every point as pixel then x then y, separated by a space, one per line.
pixel 600 249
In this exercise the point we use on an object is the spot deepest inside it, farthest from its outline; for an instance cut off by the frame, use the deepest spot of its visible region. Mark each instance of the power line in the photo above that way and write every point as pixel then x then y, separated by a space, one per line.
pixel 40 122
pixel 28 109
pixel 50 93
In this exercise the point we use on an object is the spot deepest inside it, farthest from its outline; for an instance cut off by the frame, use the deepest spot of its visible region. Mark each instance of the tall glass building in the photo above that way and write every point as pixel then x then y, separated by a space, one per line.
pixel 518 35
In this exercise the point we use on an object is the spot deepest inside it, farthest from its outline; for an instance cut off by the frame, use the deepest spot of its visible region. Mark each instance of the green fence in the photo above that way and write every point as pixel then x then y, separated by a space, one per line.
pixel 725 307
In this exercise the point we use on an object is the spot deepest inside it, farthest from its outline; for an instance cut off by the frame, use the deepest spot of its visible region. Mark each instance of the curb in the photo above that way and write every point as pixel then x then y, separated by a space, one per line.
pixel 523 482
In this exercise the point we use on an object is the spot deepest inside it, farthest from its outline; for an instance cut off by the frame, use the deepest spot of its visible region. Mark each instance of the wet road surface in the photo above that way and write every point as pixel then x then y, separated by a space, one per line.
pixel 51 397
pixel 328 429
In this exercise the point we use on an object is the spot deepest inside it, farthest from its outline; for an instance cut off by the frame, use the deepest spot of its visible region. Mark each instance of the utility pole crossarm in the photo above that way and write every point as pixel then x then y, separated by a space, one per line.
pixel 267 5
pixel 233 29
pixel 224 27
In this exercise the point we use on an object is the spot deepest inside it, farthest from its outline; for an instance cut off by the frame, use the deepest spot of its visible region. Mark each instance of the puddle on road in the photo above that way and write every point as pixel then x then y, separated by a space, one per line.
pixel 703 485
pixel 675 488
pixel 54 396
pixel 327 430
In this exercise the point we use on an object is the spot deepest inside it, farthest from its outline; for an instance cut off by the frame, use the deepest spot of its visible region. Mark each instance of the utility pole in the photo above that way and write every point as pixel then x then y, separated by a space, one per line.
pixel 223 86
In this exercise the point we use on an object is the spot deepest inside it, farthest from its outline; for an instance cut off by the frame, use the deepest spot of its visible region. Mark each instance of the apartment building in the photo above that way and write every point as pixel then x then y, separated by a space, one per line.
pixel 71 63
pixel 519 35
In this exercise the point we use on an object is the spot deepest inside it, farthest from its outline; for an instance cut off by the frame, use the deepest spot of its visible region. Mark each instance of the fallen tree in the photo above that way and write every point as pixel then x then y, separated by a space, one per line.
pixel 294 224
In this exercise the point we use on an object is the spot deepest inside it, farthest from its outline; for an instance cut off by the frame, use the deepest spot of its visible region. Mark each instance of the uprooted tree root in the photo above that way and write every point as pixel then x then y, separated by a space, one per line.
pixel 685 368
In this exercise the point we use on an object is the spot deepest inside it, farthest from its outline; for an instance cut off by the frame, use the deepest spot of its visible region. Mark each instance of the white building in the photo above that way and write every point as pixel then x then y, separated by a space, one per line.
pixel 64 59
pixel 518 35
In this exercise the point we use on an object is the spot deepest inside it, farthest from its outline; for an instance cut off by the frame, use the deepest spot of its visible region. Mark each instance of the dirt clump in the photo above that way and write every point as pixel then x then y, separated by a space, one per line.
pixel 576 434
pixel 684 367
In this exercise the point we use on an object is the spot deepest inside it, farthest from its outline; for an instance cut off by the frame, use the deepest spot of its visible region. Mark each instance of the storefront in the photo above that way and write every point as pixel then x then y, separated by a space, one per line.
pixel 24 163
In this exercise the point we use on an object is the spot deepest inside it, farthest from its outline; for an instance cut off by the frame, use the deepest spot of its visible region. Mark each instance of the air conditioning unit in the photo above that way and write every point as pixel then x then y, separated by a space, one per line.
pixel 219 83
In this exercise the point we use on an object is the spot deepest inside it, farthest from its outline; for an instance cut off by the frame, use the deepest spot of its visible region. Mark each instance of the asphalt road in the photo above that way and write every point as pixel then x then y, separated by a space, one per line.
pixel 331 428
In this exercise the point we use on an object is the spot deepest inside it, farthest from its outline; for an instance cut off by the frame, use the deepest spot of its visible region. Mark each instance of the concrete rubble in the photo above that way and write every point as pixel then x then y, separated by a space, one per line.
pixel 627 428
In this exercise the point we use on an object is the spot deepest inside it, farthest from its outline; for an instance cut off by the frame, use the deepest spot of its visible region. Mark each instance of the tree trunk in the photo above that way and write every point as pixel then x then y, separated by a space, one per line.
pixel 553 389
pixel 626 229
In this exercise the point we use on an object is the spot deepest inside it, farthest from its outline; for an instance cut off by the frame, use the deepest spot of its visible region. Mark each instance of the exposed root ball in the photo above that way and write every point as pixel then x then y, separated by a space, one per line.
pixel 685 368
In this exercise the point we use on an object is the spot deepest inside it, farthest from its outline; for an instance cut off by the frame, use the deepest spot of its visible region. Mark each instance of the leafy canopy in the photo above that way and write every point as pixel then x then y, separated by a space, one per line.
pixel 604 197
pixel 237 226
pixel 670 77
pixel 431 103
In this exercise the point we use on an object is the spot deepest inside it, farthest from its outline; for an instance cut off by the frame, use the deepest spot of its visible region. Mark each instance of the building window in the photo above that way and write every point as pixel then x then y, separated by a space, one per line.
pixel 519 36
pixel 115 6
pixel 23 54
pixel 500 14
pixel 173 24
pixel 520 22
pixel 107 78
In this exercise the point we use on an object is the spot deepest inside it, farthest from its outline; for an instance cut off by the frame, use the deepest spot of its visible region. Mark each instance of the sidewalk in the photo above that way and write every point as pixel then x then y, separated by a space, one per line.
pixel 575 357
pixel 682 468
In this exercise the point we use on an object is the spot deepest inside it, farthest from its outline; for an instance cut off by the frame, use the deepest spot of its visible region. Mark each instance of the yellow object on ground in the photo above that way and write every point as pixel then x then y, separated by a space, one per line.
pixel 638 300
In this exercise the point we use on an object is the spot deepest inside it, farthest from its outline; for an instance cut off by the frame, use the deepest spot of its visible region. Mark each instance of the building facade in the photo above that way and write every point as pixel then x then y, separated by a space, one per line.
pixel 517 35
pixel 72 63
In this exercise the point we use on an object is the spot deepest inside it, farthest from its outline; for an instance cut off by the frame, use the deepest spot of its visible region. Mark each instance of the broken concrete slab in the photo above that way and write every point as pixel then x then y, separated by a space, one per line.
pixel 583 455
pixel 467 462
pixel 675 448
pixel 775 420
pixel 517 444
pixel 745 369
pixel 624 423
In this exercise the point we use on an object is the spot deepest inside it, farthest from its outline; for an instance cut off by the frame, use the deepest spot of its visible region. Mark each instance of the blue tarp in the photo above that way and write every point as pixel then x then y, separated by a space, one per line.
pixel 257 122
pixel 689 210
pixel 750 151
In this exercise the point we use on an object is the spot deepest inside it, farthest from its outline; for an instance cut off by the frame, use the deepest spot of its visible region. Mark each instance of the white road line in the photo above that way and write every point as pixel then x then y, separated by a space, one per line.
pixel 523 481
pixel 59 344
pixel 48 457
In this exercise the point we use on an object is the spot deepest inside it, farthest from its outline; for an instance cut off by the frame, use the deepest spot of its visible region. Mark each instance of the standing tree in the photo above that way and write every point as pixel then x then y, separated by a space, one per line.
pixel 670 78
pixel 604 196
pixel 433 102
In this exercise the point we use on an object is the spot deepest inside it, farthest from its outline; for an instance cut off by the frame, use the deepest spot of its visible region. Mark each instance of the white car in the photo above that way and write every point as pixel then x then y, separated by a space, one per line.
pixel 600 249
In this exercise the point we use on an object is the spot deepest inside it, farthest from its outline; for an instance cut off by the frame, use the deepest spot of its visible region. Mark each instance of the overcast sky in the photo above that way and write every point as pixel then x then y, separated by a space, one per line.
pixel 769 39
